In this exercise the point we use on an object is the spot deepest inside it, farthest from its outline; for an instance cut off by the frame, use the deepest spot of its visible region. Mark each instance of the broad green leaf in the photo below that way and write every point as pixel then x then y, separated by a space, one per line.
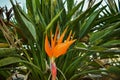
pixel 111 43
pixel 24 24
pixel 8 61
pixel 13 60
pixel 7 51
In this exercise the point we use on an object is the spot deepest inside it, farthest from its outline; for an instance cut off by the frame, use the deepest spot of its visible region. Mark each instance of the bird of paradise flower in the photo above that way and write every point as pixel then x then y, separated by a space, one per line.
pixel 57 48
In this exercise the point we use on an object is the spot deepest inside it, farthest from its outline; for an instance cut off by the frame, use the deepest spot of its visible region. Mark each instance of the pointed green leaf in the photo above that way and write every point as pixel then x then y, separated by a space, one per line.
pixel 70 14
pixel 85 28
pixel 111 43
pixel 24 23
pixel 97 36
pixel 53 20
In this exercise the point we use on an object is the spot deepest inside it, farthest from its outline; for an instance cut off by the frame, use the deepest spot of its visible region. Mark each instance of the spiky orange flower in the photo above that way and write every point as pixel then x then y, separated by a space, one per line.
pixel 57 47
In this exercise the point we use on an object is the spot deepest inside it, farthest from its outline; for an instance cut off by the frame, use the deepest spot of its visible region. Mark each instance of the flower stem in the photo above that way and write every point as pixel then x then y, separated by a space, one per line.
pixel 53 70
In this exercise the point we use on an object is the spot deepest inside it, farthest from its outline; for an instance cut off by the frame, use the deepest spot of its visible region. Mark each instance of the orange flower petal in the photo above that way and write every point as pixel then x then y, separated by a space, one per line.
pixel 52 41
pixel 55 37
pixel 69 36
pixel 47 47
pixel 58 48
pixel 62 36
pixel 61 48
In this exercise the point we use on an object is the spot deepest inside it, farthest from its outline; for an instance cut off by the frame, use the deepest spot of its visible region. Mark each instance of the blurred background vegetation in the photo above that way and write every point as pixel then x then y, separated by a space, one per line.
pixel 94 56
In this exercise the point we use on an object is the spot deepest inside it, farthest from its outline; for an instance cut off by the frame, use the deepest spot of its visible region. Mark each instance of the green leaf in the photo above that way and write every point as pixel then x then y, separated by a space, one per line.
pixel 24 23
pixel 13 60
pixel 114 70
pixel 70 4
pixel 42 20
pixel 6 50
pixel 97 37
pixel 85 28
pixel 8 61
pixel 112 6
pixel 79 17
pixel 70 14
pixel 32 6
pixel 53 21
pixel 111 43
pixel 74 77
pixel 76 63
pixel 108 19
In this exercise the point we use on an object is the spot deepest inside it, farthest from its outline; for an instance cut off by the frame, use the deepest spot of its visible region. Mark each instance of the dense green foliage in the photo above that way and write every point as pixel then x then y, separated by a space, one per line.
pixel 96 28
